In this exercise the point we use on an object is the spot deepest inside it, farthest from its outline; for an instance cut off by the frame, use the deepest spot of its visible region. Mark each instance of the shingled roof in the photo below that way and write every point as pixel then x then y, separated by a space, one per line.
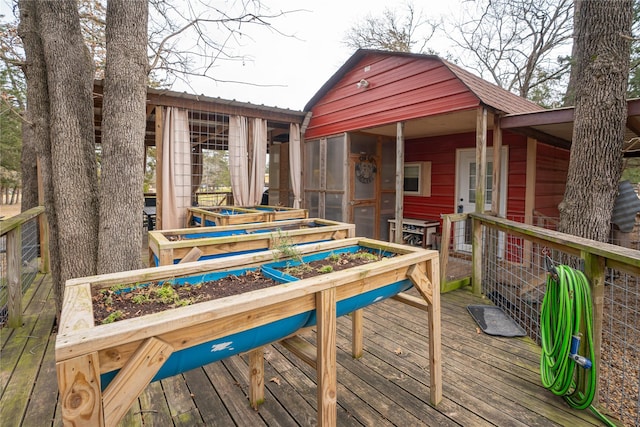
pixel 491 94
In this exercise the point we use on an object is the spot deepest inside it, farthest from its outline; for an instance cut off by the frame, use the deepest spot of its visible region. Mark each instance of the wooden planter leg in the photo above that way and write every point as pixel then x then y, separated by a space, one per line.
pixel 326 360
pixel 79 384
pixel 430 291
pixel 132 379
pixel 256 367
pixel 357 333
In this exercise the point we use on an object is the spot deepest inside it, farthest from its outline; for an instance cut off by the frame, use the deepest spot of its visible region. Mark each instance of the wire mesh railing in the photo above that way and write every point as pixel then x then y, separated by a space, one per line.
pixel 21 267
pixel 514 278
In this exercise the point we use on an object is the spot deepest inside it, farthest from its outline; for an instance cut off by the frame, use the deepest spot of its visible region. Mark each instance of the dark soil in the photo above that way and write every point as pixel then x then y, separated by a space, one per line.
pixel 113 304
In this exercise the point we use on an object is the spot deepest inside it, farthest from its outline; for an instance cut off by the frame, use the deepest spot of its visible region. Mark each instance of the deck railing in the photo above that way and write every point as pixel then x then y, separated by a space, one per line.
pixel 508 267
pixel 23 253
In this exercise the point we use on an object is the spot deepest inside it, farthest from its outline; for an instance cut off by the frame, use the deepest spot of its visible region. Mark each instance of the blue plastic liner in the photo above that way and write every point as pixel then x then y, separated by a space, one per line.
pixel 218 349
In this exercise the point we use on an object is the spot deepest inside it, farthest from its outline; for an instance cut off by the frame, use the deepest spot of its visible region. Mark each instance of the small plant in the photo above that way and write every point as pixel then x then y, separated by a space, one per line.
pixel 140 298
pixel 167 294
pixel 115 316
pixel 286 247
pixel 334 257
pixel 117 288
pixel 367 256
pixel 326 269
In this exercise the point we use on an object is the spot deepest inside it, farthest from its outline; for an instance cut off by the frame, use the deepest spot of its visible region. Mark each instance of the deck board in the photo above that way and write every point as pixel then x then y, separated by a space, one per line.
pixel 487 380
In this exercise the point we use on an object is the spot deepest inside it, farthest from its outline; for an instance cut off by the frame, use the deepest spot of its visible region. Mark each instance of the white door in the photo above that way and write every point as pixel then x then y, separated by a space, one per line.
pixel 466 192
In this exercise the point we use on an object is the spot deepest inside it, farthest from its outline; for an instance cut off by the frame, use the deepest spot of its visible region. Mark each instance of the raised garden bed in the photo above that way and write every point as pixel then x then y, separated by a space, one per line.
pixel 232 215
pixel 102 369
pixel 171 246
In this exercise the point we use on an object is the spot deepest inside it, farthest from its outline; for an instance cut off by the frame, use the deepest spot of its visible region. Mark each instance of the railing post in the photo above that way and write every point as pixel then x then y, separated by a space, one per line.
pixel 595 270
pixel 476 257
pixel 45 263
pixel 444 250
pixel 14 274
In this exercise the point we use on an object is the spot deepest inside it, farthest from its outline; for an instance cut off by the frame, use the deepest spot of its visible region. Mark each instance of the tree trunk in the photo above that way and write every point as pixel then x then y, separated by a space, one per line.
pixel 63 109
pixel 38 116
pixel 29 169
pixel 124 123
pixel 602 68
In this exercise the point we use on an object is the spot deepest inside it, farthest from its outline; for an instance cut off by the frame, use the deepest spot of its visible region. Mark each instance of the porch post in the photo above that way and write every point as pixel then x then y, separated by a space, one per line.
pixel 159 165
pixel 497 165
pixel 399 180
pixel 481 173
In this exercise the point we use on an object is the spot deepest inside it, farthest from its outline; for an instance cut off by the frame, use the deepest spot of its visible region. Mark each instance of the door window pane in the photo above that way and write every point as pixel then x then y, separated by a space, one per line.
pixel 364 220
pixel 333 209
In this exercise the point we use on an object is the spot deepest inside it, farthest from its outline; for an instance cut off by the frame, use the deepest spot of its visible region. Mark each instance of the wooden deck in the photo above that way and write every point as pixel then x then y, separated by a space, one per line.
pixel 487 380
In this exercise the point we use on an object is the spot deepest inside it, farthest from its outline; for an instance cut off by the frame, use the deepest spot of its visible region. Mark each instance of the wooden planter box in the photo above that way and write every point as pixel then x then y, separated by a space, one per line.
pixel 103 369
pixel 232 215
pixel 171 246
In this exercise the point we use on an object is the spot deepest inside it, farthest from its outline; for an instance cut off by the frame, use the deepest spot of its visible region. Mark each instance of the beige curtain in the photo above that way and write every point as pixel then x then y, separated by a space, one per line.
pixel 295 163
pixel 238 160
pixel 259 158
pixel 176 174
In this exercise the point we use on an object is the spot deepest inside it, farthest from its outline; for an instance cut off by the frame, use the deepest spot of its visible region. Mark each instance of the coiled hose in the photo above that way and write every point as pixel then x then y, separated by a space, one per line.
pixel 565 318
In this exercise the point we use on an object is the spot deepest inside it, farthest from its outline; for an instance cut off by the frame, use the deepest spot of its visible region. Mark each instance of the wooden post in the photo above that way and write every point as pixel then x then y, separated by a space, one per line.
pixel 481 158
pixel 399 211
pixel 357 333
pixel 530 193
pixel 79 384
pixel 14 275
pixel 497 165
pixel 595 270
pixel 256 385
pixel 326 357
pixel 481 174
pixel 444 249
pixel 427 283
pixel 159 165
pixel 476 258
pixel 43 224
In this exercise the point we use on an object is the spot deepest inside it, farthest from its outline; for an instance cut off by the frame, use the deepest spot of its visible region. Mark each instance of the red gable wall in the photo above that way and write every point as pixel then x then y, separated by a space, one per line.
pixel 400 88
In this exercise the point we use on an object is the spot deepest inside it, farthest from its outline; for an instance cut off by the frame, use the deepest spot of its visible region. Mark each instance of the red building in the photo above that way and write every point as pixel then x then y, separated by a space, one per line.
pixel 387 114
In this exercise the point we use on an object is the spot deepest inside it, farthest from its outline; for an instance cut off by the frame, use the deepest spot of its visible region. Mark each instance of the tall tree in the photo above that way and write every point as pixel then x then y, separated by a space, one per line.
pixel 397 31
pixel 517 44
pixel 602 37
pixel 124 124
pixel 59 76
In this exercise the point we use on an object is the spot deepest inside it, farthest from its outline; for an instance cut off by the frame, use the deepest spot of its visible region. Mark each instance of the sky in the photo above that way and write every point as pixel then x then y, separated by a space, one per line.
pixel 286 71
pixel 296 67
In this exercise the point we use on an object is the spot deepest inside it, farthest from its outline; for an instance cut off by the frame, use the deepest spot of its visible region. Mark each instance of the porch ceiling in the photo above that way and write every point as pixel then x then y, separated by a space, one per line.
pixel 443 124
pixel 554 127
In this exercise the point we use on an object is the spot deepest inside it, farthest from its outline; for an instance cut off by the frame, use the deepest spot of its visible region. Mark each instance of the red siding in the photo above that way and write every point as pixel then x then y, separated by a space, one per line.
pixel 441 152
pixel 552 165
pixel 400 88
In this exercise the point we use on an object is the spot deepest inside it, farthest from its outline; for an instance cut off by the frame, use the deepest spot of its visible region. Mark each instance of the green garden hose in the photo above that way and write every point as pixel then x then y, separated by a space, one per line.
pixel 565 318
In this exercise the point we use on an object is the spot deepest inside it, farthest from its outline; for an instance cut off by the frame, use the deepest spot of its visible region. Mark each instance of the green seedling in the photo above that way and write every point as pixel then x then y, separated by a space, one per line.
pixel 116 315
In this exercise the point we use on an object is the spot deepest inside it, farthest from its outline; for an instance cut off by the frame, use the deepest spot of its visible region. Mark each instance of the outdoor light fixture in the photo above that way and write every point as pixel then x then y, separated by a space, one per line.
pixel 362 84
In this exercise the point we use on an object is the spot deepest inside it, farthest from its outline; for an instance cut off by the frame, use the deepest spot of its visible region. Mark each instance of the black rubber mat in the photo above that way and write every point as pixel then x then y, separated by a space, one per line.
pixel 493 321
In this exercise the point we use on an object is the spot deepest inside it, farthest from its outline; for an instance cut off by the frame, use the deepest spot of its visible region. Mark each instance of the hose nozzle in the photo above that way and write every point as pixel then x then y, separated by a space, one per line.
pixel 573 353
